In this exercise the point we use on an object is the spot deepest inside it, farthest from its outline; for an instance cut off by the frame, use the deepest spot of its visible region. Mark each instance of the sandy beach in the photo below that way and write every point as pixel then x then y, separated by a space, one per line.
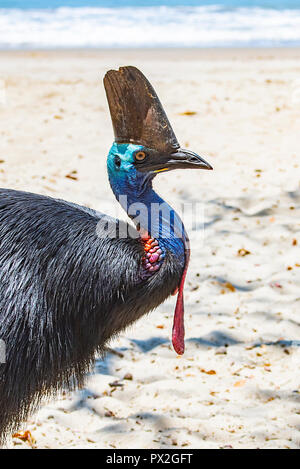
pixel 238 384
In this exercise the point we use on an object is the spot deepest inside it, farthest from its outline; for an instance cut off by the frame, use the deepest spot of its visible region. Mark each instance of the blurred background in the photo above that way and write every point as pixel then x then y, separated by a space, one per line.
pixel 227 73
pixel 152 23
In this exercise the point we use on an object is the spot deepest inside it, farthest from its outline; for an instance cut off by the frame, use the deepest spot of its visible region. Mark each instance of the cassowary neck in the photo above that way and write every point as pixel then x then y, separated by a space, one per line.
pixel 152 215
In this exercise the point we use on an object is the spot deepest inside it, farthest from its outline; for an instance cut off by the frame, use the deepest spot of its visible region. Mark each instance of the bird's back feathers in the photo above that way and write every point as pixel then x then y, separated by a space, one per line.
pixel 64 291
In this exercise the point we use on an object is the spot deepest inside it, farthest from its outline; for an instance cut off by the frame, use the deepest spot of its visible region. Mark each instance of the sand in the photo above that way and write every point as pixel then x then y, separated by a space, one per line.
pixel 238 383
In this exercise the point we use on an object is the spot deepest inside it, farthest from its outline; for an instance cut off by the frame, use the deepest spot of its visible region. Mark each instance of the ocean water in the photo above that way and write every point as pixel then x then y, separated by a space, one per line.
pixel 41 24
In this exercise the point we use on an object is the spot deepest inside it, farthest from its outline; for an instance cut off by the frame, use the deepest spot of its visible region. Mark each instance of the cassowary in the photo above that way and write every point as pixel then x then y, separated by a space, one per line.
pixel 72 278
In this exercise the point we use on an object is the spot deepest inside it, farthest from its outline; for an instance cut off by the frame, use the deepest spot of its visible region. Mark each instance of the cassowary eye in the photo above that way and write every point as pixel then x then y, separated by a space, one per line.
pixel 140 155
pixel 117 161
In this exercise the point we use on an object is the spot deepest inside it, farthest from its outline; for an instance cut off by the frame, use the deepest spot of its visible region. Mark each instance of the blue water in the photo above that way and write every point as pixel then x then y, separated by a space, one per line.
pixel 148 23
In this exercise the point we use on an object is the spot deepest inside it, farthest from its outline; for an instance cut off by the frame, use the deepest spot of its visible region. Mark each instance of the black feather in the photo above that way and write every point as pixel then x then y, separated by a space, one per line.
pixel 64 292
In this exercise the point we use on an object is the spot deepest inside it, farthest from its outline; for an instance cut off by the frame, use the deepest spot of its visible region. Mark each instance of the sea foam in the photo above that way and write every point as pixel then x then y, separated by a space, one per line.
pixel 206 26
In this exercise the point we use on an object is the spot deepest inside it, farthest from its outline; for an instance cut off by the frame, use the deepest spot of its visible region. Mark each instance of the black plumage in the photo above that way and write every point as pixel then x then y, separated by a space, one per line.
pixel 64 291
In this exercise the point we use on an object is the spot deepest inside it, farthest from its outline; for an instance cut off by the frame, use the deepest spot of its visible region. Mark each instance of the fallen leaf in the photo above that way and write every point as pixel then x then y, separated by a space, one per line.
pixel 210 372
pixel 25 436
pixel 188 113
pixel 70 176
pixel 128 376
pixel 116 384
pixel 229 286
pixel 239 384
pixel 276 284
pixel 243 252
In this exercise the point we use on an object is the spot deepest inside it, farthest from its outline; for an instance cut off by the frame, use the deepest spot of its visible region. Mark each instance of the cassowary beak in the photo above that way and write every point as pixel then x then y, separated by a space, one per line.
pixel 178 159
pixel 184 159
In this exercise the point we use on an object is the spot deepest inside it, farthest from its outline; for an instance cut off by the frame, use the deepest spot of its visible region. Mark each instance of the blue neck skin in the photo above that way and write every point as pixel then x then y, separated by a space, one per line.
pixel 146 208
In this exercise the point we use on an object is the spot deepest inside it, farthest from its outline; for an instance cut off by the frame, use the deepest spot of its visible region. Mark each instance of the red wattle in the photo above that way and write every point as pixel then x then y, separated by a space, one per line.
pixel 178 323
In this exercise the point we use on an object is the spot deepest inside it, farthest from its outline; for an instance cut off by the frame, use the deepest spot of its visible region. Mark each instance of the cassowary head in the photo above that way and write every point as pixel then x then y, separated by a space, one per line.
pixel 145 143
